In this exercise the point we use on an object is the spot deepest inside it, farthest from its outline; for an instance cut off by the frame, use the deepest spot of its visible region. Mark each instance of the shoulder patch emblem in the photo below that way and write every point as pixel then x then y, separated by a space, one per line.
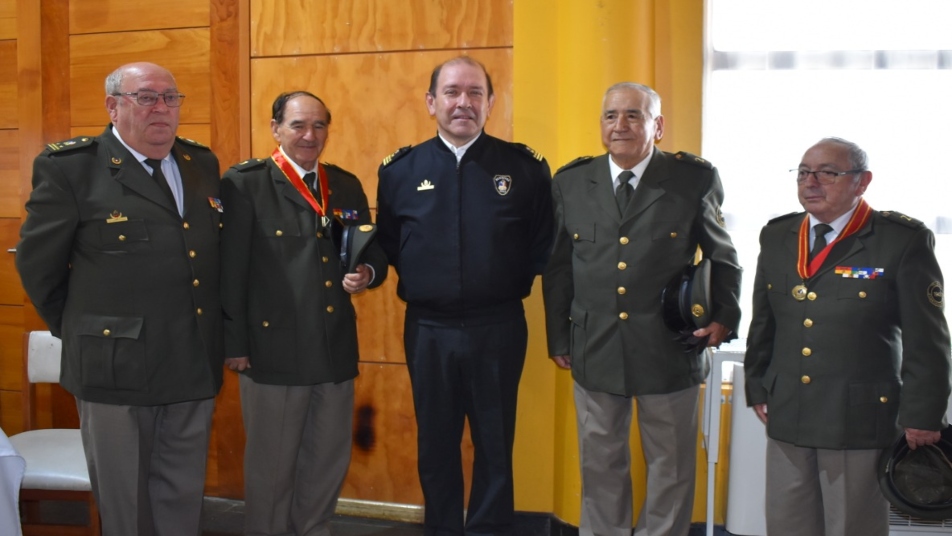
pixel 901 219
pixel 249 164
pixel 338 168
pixel 574 163
pixel 396 155
pixel 532 152
pixel 74 143
pixel 934 293
pixel 191 142
pixel 689 158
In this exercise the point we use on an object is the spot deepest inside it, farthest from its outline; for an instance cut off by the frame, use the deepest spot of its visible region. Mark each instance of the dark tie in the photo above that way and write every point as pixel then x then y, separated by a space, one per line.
pixel 309 181
pixel 819 242
pixel 159 177
pixel 624 190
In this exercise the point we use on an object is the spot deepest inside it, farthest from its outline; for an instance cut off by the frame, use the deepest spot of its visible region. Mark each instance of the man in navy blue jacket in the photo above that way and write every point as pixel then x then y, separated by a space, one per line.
pixel 466 220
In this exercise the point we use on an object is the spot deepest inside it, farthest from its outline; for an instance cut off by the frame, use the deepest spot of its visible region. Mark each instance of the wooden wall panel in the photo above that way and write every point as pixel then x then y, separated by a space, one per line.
pixel 376 101
pixel 8 19
pixel 380 322
pixel 8 84
pixel 292 27
pixel 200 133
pixel 183 52
pixel 10 204
pixel 11 346
pixel 11 292
pixel 383 463
pixel 104 16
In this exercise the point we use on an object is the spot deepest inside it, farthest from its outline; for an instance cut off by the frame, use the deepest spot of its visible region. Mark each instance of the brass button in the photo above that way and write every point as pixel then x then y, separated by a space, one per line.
pixel 279 232
pixel 621 290
pixel 185 225
pixel 623 240
pixel 806 352
pixel 320 234
pixel 811 296
pixel 622 266
pixel 328 283
pixel 265 324
pixel 330 308
pixel 808 323
pixel 122 238
pixel 674 235
pixel 883 399
pixel 623 315
pixel 862 294
pixel 191 252
pixel 221 225
pixel 198 311
pixel 324 259
pixel 575 236
pixel 106 332
pixel 805 380
pixel 769 286
pixel 195 283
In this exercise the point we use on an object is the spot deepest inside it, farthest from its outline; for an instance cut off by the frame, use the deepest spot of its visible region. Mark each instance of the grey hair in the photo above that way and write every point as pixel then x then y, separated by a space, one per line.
pixel 654 100
pixel 857 156
pixel 114 81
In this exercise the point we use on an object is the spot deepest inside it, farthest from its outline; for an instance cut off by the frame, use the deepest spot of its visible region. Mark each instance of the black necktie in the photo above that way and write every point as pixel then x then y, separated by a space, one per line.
pixel 159 177
pixel 624 190
pixel 819 242
pixel 310 182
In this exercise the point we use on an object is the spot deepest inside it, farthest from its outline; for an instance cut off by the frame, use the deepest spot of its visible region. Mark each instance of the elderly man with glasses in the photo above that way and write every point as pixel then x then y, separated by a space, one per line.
pixel 119 254
pixel 848 347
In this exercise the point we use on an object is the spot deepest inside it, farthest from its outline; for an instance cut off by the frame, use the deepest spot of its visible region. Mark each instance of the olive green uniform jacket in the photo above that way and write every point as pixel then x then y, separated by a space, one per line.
pixel 602 287
pixel 837 368
pixel 129 285
pixel 285 306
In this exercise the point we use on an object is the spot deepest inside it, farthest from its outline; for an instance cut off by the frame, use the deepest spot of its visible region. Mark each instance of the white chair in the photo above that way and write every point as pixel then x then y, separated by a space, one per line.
pixel 55 462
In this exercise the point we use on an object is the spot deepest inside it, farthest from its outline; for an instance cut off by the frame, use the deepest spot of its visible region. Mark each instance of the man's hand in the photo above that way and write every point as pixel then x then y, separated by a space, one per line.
pixel 919 438
pixel 357 282
pixel 563 361
pixel 761 411
pixel 237 363
pixel 718 333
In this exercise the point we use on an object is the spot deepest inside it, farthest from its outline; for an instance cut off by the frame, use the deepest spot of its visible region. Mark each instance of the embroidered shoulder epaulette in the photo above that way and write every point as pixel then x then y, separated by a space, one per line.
pixel 530 151
pixel 573 163
pixel 902 219
pixel 338 168
pixel 75 143
pixel 191 142
pixel 397 155
pixel 784 217
pixel 689 158
pixel 249 164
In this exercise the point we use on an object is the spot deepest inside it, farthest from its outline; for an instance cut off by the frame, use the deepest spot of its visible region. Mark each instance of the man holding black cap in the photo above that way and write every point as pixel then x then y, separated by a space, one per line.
pixel 627 223
pixel 290 327
pixel 848 346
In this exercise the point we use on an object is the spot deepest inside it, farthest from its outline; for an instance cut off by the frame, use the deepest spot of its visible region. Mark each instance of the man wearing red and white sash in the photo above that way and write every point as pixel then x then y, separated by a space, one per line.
pixel 290 327
pixel 847 348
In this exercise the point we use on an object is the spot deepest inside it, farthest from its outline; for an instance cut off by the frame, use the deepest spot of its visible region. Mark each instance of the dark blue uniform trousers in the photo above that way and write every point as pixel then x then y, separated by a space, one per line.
pixel 459 371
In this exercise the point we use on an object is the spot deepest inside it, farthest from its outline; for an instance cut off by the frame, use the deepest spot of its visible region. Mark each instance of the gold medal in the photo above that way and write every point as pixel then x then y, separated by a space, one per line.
pixel 799 292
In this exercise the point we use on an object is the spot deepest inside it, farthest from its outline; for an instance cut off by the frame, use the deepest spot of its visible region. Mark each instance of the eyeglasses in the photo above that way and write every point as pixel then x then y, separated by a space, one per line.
pixel 822 177
pixel 149 98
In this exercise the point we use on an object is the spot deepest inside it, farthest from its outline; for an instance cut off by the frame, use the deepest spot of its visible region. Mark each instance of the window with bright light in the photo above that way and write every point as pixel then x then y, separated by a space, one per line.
pixel 782 75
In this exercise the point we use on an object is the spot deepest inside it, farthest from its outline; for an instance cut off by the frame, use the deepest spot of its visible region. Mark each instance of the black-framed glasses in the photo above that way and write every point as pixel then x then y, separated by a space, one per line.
pixel 822 176
pixel 149 98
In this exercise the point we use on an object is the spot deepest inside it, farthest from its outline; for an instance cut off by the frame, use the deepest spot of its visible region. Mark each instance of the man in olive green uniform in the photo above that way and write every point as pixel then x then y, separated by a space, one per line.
pixel 290 327
pixel 119 254
pixel 613 255
pixel 848 346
